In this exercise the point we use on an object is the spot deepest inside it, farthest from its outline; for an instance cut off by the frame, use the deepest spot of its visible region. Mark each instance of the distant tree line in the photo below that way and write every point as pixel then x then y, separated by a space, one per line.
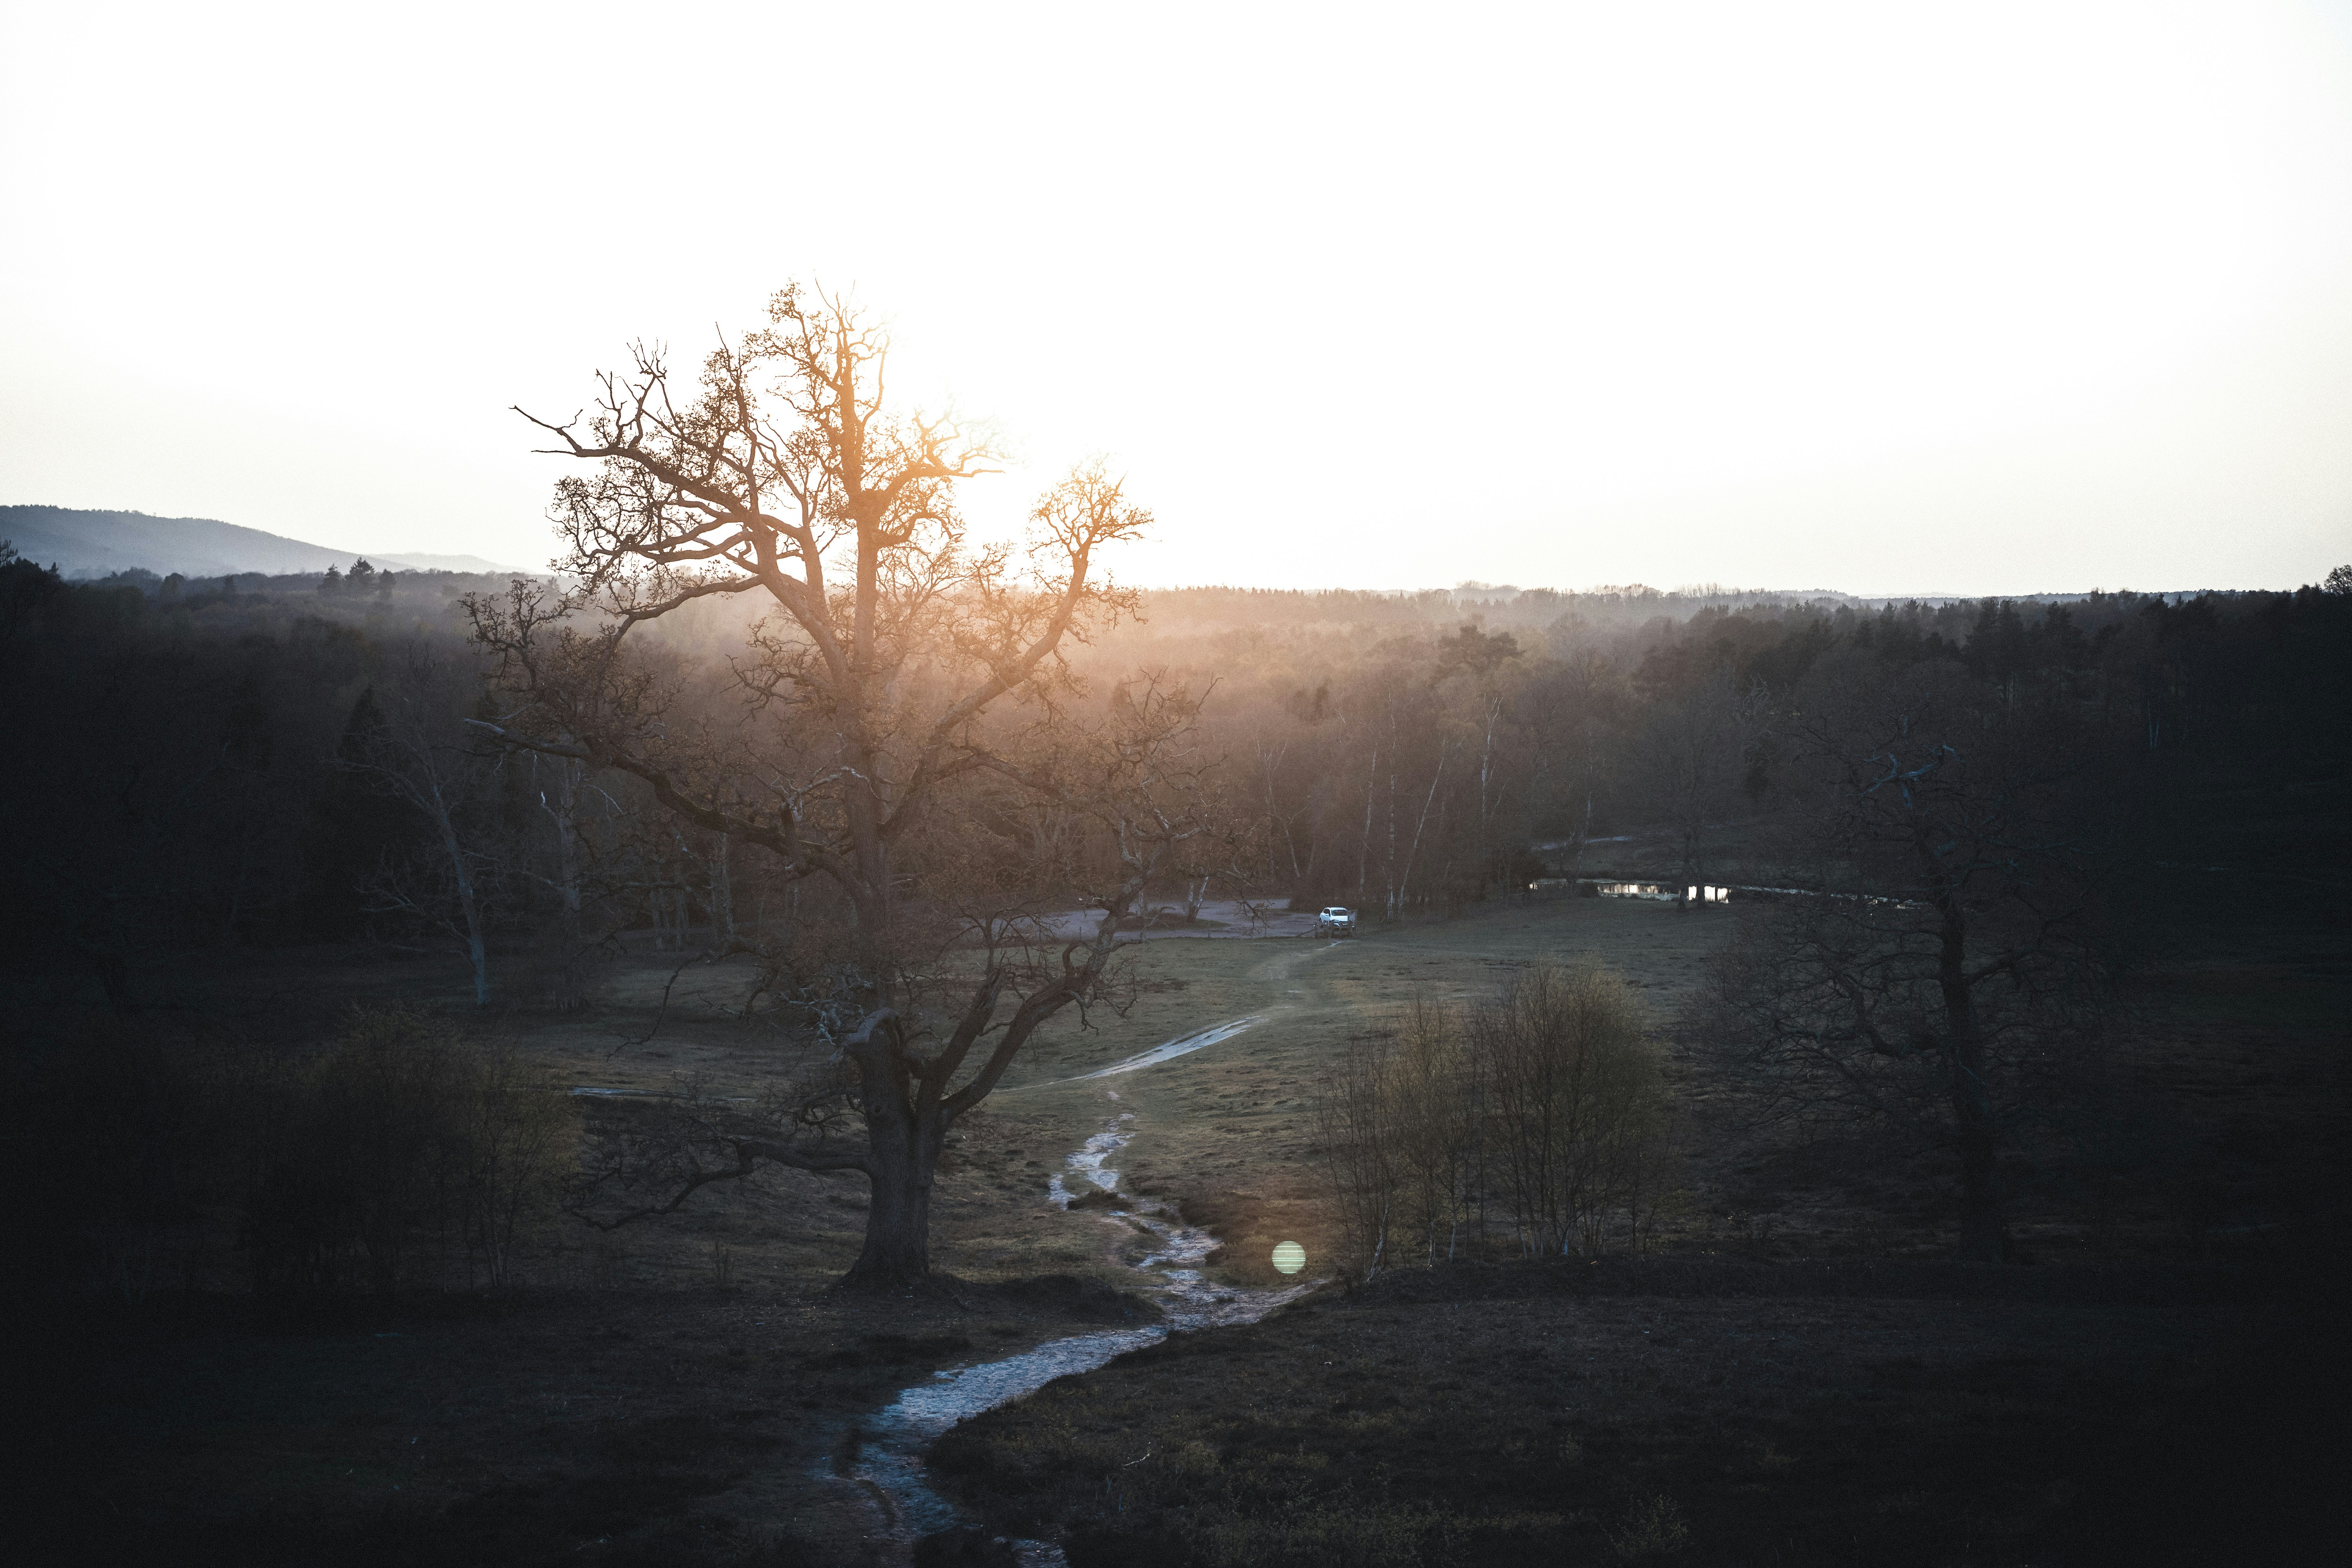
pixel 1411 772
pixel 278 765
pixel 248 768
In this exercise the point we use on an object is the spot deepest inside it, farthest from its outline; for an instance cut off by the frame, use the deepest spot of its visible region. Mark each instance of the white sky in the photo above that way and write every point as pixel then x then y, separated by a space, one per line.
pixel 1957 299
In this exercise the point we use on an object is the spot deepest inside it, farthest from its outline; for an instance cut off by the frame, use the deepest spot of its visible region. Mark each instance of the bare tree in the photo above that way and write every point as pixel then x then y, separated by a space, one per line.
pixel 992 871
pixel 410 743
pixel 1436 1132
pixel 1579 714
pixel 1479 658
pixel 1694 752
pixel 783 472
pixel 1355 1135
pixel 885 1103
pixel 25 587
pixel 557 784
pixel 1549 1090
pixel 1939 970
pixel 1574 1093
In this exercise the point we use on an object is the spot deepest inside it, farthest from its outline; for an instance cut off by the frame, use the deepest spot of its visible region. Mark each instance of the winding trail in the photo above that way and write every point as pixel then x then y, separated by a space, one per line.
pixel 1167 1050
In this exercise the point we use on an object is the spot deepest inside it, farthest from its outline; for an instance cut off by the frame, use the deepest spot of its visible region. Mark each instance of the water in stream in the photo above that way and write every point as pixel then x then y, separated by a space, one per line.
pixel 890 1462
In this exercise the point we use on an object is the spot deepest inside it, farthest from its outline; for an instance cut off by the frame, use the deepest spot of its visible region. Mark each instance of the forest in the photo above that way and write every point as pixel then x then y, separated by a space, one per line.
pixel 266 764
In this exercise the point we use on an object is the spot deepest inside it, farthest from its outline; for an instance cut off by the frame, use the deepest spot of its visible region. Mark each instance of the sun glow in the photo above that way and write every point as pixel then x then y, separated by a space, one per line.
pixel 1788 294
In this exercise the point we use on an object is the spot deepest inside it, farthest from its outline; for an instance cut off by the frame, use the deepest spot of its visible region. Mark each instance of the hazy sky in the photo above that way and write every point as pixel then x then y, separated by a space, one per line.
pixel 1883 296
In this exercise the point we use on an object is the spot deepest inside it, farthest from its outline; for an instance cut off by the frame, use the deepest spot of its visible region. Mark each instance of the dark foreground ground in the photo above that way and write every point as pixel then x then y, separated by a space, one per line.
pixel 1795 1382
pixel 1677 1410
pixel 1702 1410
pixel 665 1427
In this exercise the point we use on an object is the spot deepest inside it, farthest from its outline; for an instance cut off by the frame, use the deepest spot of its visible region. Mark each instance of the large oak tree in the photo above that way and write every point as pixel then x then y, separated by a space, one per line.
pixel 783 472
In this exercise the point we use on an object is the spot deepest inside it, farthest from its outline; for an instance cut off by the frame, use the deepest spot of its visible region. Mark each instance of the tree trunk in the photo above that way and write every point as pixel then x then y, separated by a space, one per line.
pixel 1685 893
pixel 901 1158
pixel 1983 1234
pixel 1404 881
pixel 1389 870
pixel 723 898
pixel 114 977
pixel 469 901
pixel 478 951
pixel 569 988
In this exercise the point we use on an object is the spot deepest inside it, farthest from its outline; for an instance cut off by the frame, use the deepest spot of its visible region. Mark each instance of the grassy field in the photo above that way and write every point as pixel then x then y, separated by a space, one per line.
pixel 670 1393
pixel 1225 1131
pixel 1550 1412
pixel 1793 1381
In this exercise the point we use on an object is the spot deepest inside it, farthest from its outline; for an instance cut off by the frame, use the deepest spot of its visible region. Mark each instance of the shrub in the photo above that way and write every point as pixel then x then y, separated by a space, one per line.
pixel 1653 1527
pixel 398 1140
pixel 1546 1101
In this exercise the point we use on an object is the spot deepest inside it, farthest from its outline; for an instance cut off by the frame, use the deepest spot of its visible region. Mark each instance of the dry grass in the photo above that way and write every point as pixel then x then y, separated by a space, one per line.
pixel 1226 1130
pixel 525 1415
pixel 1528 1425
pixel 678 1427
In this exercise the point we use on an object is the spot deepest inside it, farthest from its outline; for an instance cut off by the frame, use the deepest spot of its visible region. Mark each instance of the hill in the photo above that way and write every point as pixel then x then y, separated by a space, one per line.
pixel 100 543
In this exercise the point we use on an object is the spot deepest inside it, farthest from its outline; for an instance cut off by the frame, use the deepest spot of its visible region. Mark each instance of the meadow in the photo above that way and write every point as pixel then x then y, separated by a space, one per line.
pixel 1789 1364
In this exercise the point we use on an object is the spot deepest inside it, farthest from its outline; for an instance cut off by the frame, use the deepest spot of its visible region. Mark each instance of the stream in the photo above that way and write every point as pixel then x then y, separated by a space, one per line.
pixel 889 1467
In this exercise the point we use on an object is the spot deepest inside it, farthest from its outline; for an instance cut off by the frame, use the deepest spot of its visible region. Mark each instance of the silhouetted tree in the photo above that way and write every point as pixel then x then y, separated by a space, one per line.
pixel 1941 966
pixel 1694 753
pixel 892 642
pixel 885 1107
pixel 411 744
pixel 25 587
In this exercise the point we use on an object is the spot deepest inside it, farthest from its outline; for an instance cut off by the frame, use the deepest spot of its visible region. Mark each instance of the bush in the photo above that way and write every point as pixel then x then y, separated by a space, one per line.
pixel 403 1152
pixel 1576 1103
pixel 400 1138
pixel 1543 1106
pixel 117 1166
pixel 1653 1527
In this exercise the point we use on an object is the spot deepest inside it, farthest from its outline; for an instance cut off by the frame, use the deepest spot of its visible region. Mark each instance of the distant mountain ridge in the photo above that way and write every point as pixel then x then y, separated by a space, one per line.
pixel 100 543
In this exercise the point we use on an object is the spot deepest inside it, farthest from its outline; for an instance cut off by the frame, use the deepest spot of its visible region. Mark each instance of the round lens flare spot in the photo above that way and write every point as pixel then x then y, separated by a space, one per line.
pixel 1289 1258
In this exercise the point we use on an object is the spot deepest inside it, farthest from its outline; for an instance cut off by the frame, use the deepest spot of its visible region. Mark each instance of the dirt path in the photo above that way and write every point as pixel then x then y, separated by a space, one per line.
pixel 1225 1128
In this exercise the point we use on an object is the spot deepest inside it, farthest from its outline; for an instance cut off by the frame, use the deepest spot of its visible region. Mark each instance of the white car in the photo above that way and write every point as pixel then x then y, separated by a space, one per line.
pixel 1336 921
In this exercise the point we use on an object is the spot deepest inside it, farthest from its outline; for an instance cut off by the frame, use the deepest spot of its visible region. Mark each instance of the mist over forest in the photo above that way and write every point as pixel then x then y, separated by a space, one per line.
pixel 205 749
